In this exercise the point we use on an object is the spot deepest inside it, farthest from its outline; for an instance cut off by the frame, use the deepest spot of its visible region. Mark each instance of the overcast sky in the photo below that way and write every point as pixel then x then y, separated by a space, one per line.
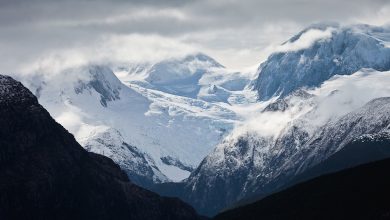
pixel 238 33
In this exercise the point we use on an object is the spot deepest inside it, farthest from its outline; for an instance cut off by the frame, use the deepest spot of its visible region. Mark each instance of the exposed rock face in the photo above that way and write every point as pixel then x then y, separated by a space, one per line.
pixel 138 166
pixel 344 51
pixel 46 174
pixel 103 83
pixel 168 160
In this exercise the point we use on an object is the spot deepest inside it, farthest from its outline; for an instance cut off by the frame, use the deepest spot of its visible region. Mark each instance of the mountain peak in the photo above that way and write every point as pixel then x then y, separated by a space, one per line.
pixel 103 81
pixel 180 76
pixel 320 52
pixel 322 26
pixel 202 58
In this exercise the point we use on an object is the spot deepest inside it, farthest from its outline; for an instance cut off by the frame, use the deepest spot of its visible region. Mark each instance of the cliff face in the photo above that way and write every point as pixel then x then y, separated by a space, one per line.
pixel 46 174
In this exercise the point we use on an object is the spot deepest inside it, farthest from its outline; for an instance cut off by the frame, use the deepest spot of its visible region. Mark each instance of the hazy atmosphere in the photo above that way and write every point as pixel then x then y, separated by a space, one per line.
pixel 238 34
pixel 194 109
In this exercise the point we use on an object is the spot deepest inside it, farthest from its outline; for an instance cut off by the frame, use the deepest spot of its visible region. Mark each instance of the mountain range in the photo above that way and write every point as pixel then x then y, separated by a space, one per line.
pixel 188 127
pixel 297 130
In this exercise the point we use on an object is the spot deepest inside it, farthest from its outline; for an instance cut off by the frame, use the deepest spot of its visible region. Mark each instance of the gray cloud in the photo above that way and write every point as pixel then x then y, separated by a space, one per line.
pixel 238 33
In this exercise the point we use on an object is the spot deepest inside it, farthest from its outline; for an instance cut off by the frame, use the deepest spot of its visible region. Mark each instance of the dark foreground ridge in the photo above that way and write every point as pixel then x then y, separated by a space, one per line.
pixel 361 192
pixel 46 174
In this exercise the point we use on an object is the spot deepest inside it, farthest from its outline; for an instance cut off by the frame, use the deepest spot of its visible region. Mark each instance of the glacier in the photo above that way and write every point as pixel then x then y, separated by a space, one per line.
pixel 154 129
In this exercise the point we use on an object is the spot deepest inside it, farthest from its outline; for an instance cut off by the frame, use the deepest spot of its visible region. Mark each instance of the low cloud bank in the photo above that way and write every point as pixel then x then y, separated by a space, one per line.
pixel 333 99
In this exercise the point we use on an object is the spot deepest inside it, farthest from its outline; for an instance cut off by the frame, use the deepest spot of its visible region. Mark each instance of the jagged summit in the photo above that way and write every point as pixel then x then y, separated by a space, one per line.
pixel 103 81
pixel 320 52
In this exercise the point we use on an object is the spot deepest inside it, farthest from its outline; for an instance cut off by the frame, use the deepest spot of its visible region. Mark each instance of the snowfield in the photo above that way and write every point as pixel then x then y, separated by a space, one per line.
pixel 138 113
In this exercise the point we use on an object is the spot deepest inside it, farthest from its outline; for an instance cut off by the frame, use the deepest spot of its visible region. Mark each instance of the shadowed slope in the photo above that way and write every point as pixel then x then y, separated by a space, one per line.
pixel 46 174
pixel 358 193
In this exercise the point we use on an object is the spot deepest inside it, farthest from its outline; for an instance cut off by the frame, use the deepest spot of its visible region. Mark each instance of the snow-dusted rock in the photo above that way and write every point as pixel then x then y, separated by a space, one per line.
pixel 254 165
pixel 320 52
pixel 286 138
pixel 140 168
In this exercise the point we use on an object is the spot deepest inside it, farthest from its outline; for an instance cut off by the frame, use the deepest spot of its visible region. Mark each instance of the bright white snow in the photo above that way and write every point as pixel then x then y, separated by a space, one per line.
pixel 147 114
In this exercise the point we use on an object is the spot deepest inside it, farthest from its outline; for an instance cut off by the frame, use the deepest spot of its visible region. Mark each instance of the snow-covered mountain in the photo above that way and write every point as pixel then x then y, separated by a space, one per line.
pixel 320 52
pixel 254 162
pixel 318 92
pixel 321 90
pixel 195 76
pixel 154 130
pixel 139 166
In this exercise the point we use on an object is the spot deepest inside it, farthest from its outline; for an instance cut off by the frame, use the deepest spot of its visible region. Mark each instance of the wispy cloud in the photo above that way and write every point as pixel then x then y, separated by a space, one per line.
pixel 109 49
pixel 237 33
pixel 306 40
pixel 333 99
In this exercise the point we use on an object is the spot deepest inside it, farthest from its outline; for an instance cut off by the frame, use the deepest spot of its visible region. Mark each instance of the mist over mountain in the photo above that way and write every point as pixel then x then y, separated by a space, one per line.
pixel 320 52
pixel 139 123
pixel 217 104
pixel 295 131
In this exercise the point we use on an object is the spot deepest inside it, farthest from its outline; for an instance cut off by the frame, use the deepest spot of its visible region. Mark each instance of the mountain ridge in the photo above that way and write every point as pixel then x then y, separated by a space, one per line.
pixel 46 174
pixel 359 192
